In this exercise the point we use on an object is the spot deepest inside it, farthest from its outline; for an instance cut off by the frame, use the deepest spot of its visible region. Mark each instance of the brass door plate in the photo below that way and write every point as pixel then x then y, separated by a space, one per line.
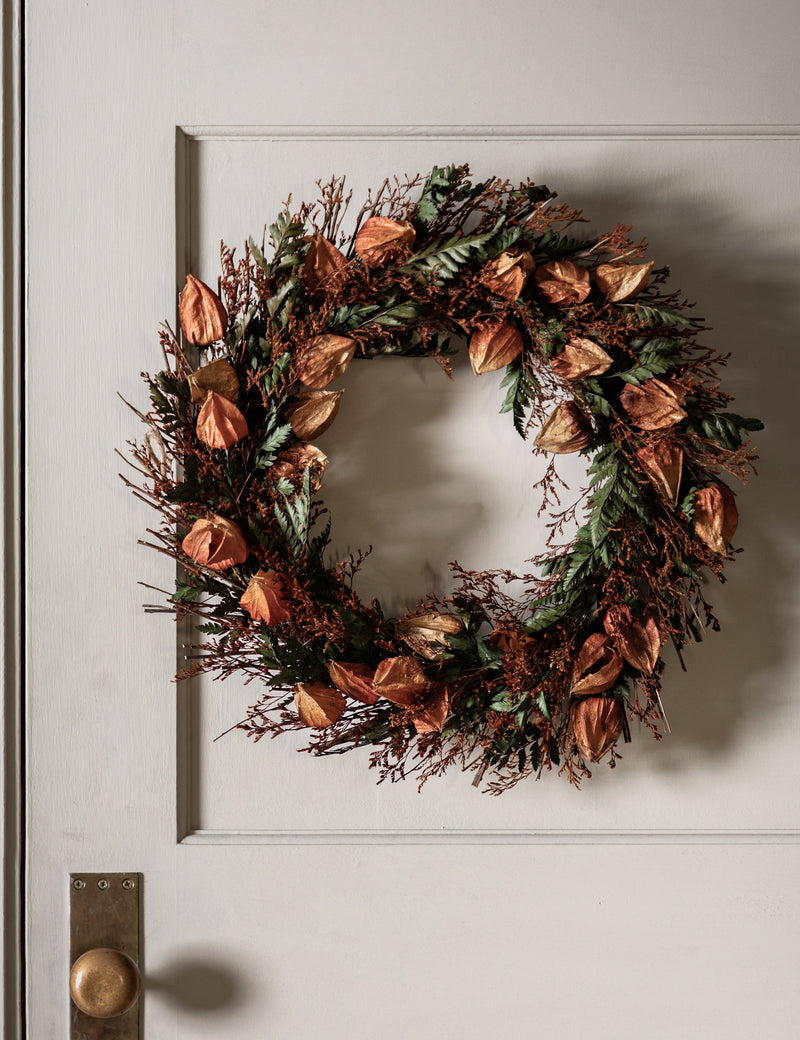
pixel 104 911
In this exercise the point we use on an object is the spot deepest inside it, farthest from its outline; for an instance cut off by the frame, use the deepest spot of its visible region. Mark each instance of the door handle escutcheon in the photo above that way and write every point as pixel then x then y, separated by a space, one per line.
pixel 105 980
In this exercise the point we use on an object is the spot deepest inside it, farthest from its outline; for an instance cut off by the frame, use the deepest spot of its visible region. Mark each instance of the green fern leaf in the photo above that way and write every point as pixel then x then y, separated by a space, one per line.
pixel 274 374
pixel 275 436
pixel 653 315
pixel 443 258
pixel 262 263
pixel 441 184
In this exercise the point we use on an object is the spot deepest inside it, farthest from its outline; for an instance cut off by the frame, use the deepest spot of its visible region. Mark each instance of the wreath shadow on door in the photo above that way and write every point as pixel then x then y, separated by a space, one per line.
pixel 399 486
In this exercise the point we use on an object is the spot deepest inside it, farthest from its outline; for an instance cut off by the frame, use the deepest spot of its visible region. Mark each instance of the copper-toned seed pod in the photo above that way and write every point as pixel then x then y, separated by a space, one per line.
pixel 494 345
pixel 310 414
pixel 655 405
pixel 662 461
pixel 353 679
pixel 220 424
pixel 566 430
pixel 293 463
pixel 715 516
pixel 512 640
pixel 202 315
pixel 620 282
pixel 380 240
pixel 318 705
pixel 323 359
pixel 216 543
pixel 265 598
pixel 507 274
pixel 562 282
pixel 427 633
pixel 322 264
pixel 597 666
pixel 431 717
pixel 580 359
pixel 639 642
pixel 400 680
pixel 596 725
pixel 219 376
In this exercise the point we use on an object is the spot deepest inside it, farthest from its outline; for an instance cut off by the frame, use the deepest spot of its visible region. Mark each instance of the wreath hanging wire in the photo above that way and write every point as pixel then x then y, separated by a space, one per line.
pixel 600 357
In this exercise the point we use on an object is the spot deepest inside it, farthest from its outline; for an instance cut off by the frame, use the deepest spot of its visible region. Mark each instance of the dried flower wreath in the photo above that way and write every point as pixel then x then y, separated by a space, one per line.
pixel 596 353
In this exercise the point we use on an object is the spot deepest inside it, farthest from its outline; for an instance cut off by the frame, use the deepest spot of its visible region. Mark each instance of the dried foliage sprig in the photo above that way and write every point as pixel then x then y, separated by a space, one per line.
pixel 599 357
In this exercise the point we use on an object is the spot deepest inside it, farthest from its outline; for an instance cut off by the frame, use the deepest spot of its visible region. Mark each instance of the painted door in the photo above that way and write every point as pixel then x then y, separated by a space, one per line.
pixel 292 899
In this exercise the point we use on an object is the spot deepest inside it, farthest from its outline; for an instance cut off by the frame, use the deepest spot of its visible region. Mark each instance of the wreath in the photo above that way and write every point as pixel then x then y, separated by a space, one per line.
pixel 600 358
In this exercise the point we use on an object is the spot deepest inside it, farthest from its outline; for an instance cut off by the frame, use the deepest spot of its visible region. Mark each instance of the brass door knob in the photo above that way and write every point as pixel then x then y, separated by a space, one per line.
pixel 104 983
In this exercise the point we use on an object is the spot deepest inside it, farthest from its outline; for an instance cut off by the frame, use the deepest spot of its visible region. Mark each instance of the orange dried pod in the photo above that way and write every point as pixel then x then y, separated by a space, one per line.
pixel 318 705
pixel 310 414
pixel 620 282
pixel 381 239
pixel 715 516
pixel 511 641
pixel 596 725
pixel 655 405
pixel 220 424
pixel 597 666
pixel 580 359
pixel 494 345
pixel 662 461
pixel 265 598
pixel 219 376
pixel 639 642
pixel 400 680
pixel 322 263
pixel 562 282
pixel 427 633
pixel 507 274
pixel 203 317
pixel 323 359
pixel 433 715
pixel 565 430
pixel 354 679
pixel 216 543
pixel 293 463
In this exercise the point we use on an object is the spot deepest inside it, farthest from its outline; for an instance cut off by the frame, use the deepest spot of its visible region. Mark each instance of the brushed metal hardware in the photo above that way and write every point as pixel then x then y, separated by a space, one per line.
pixel 105 979
pixel 104 983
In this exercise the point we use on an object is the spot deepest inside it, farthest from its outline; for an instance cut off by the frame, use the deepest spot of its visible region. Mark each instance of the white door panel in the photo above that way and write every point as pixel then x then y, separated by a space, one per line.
pixel 703 190
pixel 301 900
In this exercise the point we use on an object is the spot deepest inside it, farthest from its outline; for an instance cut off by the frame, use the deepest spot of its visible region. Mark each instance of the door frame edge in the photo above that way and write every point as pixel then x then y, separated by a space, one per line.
pixel 12 777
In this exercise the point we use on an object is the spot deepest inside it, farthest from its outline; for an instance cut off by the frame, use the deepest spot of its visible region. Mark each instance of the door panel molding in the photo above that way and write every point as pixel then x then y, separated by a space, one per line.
pixel 511 837
pixel 190 829
pixel 12 775
pixel 499 132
